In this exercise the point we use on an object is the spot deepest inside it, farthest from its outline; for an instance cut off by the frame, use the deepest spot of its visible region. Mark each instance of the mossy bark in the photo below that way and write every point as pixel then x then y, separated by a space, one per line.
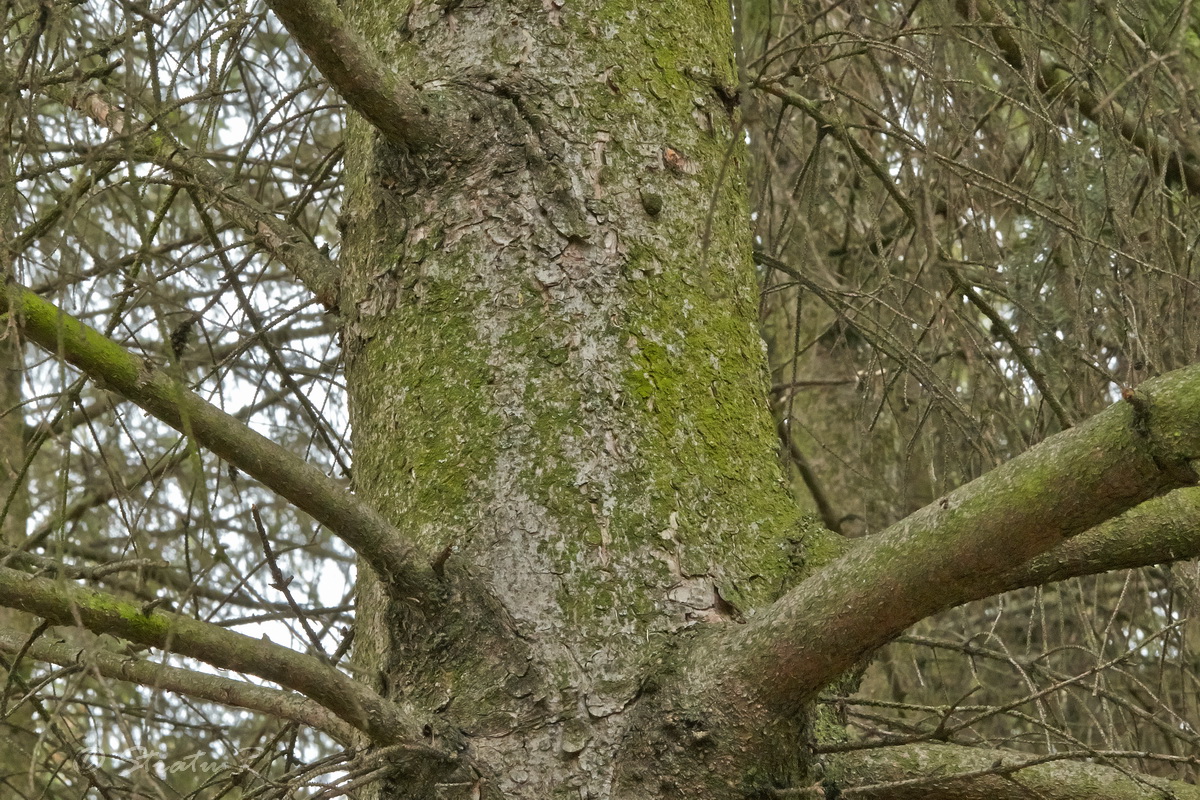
pixel 555 372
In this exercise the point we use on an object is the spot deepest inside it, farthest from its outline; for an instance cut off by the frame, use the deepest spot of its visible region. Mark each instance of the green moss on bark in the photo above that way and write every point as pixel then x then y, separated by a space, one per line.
pixel 564 381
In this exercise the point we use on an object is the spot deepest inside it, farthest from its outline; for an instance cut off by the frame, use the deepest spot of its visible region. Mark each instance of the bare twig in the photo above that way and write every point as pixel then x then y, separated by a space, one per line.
pixel 184 681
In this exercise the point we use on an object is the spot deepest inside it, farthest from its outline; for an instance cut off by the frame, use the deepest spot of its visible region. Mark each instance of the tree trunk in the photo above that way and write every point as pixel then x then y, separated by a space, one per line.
pixel 556 380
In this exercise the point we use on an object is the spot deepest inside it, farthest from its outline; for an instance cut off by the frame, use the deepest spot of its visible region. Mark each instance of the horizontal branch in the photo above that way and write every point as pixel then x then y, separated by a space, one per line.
pixel 308 488
pixel 964 546
pixel 951 772
pixel 214 688
pixel 392 106
pixel 63 604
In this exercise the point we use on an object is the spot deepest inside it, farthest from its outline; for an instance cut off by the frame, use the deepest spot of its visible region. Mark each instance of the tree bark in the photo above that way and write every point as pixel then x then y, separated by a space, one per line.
pixel 569 498
pixel 556 378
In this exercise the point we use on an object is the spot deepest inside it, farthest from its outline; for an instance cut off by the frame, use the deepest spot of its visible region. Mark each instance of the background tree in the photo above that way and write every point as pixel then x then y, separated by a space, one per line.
pixel 516 279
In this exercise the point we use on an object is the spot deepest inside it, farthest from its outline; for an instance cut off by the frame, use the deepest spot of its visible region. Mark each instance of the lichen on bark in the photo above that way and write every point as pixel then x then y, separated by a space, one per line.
pixel 559 382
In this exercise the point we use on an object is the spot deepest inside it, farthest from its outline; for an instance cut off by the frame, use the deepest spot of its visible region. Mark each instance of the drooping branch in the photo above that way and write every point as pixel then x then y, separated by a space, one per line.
pixel 217 689
pixel 840 131
pixel 1180 166
pixel 878 335
pixel 1132 706
pixel 830 517
pixel 308 488
pixel 61 604
pixel 282 240
pixel 965 545
pixel 952 772
pixel 394 107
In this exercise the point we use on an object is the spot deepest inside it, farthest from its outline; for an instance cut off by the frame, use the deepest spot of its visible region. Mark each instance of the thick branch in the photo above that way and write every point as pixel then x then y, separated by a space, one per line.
pixel 309 489
pixel 276 703
pixel 1159 530
pixel 395 108
pixel 965 545
pixel 353 702
pixel 950 772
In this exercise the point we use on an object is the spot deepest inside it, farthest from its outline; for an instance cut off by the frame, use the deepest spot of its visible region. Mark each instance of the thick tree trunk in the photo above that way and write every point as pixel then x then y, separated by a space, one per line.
pixel 555 374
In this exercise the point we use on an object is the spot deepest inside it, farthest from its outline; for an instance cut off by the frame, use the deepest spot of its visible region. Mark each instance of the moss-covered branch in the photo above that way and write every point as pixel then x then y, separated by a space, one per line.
pixel 62 604
pixel 394 107
pixel 1162 529
pixel 965 545
pixel 307 487
pixel 281 704
pixel 950 772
